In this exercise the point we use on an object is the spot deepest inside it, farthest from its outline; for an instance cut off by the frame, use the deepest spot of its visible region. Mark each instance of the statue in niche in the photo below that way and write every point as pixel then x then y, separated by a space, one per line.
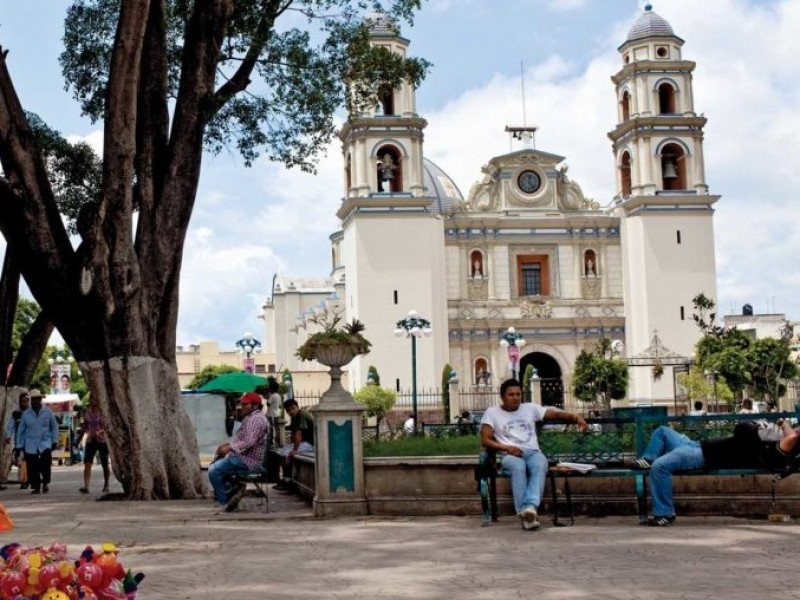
pixel 477 266
pixel 386 169
pixel 589 267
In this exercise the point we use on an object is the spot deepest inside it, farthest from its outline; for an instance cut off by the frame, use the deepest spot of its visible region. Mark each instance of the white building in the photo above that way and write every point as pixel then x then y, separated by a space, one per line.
pixel 525 248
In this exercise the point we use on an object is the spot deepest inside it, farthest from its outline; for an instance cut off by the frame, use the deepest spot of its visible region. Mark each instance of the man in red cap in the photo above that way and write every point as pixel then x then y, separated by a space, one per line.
pixel 244 453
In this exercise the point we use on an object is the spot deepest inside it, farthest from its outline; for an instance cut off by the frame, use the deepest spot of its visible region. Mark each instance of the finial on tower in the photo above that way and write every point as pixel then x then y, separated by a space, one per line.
pixel 648 6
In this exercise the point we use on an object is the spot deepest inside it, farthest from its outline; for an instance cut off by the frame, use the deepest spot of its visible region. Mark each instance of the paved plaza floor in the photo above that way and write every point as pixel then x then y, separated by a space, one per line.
pixel 187 552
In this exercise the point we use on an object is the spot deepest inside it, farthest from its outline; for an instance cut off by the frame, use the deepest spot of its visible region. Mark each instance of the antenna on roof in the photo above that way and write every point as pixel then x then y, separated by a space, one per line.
pixel 525 134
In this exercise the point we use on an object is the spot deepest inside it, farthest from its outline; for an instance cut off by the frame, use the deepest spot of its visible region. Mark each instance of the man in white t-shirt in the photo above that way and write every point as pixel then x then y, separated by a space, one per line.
pixel 408 426
pixel 511 430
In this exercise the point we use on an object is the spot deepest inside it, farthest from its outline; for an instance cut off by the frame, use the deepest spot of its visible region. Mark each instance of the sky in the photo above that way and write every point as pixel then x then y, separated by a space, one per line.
pixel 251 223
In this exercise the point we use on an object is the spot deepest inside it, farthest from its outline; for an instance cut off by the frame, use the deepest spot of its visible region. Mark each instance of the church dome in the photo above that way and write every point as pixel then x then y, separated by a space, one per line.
pixel 650 25
pixel 442 187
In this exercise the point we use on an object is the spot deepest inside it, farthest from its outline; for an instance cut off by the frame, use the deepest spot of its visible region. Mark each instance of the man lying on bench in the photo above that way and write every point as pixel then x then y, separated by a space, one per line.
pixel 669 451
pixel 511 429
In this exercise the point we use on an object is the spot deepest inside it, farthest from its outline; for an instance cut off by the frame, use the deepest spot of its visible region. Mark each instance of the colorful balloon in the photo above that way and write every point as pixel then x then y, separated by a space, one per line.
pixel 91 575
pixel 49 576
pixel 13 583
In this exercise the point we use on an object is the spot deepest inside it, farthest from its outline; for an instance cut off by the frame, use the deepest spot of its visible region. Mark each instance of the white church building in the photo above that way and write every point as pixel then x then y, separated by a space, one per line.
pixel 525 248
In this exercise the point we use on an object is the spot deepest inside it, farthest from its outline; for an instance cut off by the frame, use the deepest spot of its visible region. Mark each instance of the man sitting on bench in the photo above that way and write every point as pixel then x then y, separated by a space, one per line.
pixel 301 430
pixel 669 451
pixel 511 429
pixel 243 454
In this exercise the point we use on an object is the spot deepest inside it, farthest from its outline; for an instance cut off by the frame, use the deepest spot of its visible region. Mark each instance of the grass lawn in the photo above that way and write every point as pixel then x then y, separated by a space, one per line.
pixel 425 446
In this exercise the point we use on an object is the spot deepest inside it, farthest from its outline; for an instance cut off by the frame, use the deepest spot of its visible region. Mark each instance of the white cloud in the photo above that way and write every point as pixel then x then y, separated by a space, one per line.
pixel 566 5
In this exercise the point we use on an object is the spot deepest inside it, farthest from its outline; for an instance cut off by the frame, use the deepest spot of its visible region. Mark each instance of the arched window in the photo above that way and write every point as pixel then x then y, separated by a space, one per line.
pixel 482 375
pixel 666 99
pixel 673 167
pixel 477 267
pixel 389 170
pixel 625 174
pixel 386 99
pixel 626 105
pixel 590 267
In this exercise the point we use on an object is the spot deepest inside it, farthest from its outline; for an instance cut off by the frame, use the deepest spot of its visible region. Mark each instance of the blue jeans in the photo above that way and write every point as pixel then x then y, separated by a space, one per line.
pixel 669 451
pixel 528 475
pixel 221 473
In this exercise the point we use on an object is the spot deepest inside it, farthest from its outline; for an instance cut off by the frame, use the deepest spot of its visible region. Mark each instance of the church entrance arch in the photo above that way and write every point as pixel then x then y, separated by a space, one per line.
pixel 552 384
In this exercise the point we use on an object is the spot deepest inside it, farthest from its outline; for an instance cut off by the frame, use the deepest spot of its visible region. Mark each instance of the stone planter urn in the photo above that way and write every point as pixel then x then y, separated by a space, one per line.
pixel 336 356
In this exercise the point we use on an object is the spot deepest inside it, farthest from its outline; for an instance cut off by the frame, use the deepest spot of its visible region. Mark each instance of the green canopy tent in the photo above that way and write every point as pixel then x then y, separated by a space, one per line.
pixel 233 383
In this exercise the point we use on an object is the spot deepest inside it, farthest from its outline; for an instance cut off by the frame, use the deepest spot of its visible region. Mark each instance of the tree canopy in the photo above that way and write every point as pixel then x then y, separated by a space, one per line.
pixel 597 375
pixel 761 365
pixel 169 79
pixel 208 373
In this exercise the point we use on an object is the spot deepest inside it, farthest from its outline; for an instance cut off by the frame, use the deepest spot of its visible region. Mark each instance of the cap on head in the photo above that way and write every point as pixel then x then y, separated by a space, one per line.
pixel 35 394
pixel 250 398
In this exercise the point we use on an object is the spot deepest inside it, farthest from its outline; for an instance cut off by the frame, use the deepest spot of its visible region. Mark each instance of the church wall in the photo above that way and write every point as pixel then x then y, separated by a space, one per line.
pixel 612 271
pixel 568 282
pixel 403 254
pixel 454 257
pixel 500 276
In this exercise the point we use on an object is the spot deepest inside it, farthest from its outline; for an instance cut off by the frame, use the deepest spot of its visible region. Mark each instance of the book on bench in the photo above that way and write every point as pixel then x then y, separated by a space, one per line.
pixel 580 467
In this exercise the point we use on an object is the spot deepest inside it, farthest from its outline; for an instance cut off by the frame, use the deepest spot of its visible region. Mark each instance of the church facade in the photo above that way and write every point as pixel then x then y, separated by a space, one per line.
pixel 524 249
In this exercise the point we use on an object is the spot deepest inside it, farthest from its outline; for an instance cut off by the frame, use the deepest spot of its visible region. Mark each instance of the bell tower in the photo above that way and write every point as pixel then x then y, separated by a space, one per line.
pixel 392 239
pixel 665 209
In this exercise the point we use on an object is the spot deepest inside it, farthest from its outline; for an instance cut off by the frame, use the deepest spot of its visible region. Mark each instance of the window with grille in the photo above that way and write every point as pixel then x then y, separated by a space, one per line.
pixel 533 276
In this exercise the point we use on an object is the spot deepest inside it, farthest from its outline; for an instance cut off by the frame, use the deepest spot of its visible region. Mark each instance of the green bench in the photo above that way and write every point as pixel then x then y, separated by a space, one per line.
pixel 611 442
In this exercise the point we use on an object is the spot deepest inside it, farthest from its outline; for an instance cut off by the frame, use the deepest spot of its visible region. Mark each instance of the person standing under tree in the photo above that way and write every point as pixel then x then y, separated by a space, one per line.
pixel 38 436
pixel 95 432
pixel 12 427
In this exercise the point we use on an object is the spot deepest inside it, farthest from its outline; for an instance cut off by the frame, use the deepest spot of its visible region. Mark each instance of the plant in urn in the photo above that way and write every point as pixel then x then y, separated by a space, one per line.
pixel 334 347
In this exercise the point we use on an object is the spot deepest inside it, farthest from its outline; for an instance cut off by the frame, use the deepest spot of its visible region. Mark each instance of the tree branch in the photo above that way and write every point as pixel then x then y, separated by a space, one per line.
pixel 31 350
pixel 9 296
pixel 239 81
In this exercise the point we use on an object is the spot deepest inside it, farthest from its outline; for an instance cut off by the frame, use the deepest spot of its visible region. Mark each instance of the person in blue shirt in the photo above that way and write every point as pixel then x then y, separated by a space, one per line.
pixel 12 426
pixel 38 437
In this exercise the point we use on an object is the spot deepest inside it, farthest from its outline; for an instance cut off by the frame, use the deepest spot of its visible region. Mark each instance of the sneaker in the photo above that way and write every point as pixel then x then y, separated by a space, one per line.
pixel 638 464
pixel 660 521
pixel 83 490
pixel 234 500
pixel 35 491
pixel 45 489
pixel 529 518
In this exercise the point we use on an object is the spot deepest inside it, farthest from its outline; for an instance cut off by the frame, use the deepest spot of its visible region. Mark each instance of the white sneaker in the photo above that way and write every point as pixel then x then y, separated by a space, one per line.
pixel 529 518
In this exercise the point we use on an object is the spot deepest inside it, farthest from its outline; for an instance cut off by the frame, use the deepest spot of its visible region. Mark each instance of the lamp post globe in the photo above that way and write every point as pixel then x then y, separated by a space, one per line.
pixel 247 345
pixel 413 326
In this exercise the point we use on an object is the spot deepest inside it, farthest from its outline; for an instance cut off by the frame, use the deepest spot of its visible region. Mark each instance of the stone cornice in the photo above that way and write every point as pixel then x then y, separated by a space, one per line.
pixel 668 201
pixel 387 204
pixel 659 125
pixel 652 66
pixel 380 126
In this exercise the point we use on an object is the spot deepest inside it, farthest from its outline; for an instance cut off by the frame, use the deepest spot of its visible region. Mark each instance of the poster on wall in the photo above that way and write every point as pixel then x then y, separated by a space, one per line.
pixel 60 379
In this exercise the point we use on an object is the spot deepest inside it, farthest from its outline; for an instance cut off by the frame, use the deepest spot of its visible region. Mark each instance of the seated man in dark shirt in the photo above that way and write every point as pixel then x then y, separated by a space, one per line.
pixel 301 428
pixel 669 451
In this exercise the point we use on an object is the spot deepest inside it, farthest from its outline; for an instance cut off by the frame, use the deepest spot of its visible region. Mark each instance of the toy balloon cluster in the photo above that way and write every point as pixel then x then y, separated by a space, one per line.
pixel 48 574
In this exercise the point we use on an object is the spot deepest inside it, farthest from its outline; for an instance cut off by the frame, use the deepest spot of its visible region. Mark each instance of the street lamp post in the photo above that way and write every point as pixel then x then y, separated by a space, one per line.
pixel 247 345
pixel 512 342
pixel 413 326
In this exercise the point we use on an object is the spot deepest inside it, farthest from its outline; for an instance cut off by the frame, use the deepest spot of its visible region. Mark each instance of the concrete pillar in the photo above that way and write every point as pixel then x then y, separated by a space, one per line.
pixel 536 391
pixel 339 464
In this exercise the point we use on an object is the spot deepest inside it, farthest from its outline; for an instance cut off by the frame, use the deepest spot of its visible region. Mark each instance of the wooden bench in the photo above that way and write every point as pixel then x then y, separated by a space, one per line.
pixel 613 441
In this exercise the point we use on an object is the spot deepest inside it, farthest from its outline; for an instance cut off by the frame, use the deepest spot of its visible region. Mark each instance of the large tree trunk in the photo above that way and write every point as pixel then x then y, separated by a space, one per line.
pixel 152 442
pixel 9 401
